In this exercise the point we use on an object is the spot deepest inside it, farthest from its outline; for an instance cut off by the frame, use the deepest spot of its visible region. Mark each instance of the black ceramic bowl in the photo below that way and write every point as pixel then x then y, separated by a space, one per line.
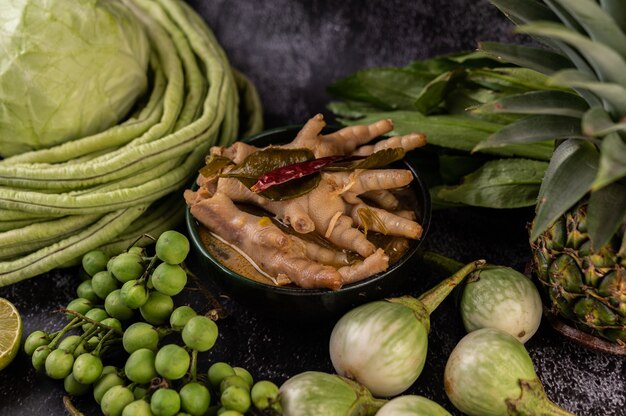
pixel 293 303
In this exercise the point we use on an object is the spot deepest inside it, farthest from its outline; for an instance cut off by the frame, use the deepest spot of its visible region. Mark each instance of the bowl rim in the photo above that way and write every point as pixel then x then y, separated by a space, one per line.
pixel 418 182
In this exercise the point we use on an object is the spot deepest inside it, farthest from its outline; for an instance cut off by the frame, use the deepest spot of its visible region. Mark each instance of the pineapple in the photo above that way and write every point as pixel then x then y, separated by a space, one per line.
pixel 584 285
pixel 577 236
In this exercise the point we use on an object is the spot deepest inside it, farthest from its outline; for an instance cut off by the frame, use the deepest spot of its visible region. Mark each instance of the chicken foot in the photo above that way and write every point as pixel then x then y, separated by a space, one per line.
pixel 350 140
pixel 275 251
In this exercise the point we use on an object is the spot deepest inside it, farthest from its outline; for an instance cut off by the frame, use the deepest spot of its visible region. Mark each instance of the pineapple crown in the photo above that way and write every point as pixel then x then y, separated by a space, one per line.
pixel 585 51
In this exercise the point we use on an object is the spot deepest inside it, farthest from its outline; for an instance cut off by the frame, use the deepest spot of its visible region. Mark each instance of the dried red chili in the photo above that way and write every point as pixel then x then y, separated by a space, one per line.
pixel 297 170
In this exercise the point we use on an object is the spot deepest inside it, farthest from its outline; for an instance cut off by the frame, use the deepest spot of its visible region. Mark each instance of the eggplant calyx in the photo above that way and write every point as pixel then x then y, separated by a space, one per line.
pixel 419 309
pixel 364 404
pixel 534 401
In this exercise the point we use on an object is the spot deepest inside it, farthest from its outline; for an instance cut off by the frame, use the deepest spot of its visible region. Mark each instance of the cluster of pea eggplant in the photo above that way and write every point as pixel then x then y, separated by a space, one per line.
pixel 378 351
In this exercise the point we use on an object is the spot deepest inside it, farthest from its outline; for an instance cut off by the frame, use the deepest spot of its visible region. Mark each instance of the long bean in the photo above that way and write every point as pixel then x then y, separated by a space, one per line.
pixel 60 253
pixel 96 202
pixel 196 84
pixel 37 235
pixel 250 103
pixel 16 224
pixel 163 216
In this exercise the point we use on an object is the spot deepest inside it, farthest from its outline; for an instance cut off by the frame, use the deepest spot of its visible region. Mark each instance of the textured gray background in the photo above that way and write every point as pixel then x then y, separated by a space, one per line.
pixel 292 50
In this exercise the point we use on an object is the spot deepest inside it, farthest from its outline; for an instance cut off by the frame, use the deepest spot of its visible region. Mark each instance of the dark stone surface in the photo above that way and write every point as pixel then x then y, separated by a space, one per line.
pixel 292 49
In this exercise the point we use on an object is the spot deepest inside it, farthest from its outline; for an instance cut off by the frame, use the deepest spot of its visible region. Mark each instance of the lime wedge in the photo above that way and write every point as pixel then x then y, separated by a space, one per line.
pixel 10 332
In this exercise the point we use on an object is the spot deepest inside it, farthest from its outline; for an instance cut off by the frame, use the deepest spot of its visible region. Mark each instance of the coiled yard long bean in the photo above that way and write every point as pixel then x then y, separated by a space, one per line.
pixel 106 189
pixel 38 235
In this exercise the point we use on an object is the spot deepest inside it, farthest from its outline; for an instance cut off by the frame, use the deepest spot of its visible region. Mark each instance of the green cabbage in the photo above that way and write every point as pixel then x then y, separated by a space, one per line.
pixel 68 69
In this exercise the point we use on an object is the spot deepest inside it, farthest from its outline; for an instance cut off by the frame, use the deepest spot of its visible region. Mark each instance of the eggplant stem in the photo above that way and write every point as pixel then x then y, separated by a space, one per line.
pixel 433 298
pixel 439 261
pixel 534 400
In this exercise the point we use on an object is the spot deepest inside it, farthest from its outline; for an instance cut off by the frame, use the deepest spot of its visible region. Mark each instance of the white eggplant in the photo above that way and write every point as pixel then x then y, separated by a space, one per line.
pixel 490 373
pixel 316 393
pixel 382 345
pixel 412 406
pixel 501 297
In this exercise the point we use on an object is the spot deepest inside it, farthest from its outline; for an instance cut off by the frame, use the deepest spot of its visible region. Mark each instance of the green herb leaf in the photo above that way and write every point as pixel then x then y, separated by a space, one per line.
pixel 606 212
pixel 450 62
pixel 268 159
pixel 454 132
pixel 376 160
pixel 534 129
pixel 214 165
pixel 502 183
pixel 387 88
pixel 289 190
pixel 564 188
pixel 351 109
pixel 436 90
pixel 452 168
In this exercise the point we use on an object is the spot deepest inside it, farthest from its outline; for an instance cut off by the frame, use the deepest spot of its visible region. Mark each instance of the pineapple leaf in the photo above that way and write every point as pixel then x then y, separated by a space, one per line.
pixel 502 183
pixel 597 123
pixel 564 16
pixel 612 161
pixel 539 59
pixel 568 178
pixel 597 23
pixel 537 102
pixel 612 94
pixel 533 129
pixel 605 213
pixel 617 9
pixel 524 11
pixel 608 64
